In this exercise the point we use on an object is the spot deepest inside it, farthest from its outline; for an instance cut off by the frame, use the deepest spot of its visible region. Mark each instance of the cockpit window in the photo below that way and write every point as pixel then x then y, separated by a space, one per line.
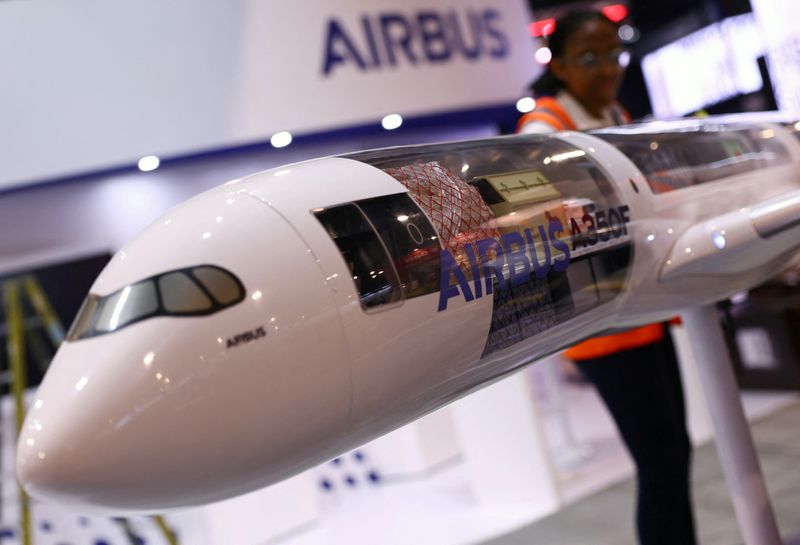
pixel 221 284
pixel 194 291
pixel 127 305
pixel 87 313
pixel 181 294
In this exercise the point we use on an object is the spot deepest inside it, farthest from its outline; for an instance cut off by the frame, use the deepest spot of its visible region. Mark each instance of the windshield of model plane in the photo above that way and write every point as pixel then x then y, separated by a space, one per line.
pixel 679 159
pixel 194 291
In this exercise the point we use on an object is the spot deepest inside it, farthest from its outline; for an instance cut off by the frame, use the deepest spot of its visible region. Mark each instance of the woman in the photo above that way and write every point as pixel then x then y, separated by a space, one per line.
pixel 579 89
pixel 635 372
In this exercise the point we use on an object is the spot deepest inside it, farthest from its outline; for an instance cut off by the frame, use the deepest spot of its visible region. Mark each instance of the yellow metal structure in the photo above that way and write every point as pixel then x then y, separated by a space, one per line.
pixel 43 308
pixel 169 535
pixel 15 347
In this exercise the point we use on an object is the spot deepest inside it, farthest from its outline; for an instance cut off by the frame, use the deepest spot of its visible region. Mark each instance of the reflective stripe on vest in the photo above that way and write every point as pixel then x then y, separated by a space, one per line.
pixel 597 347
pixel 548 110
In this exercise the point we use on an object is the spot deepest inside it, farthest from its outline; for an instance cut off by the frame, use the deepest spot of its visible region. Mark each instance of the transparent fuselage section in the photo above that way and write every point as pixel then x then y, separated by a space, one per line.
pixel 678 159
pixel 534 223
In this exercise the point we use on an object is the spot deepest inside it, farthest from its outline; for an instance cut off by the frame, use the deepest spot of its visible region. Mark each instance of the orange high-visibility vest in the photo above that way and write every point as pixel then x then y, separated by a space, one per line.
pixel 549 110
pixel 597 347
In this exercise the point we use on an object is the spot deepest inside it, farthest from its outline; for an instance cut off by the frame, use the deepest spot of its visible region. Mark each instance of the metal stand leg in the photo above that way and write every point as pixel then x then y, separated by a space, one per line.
pixel 732 435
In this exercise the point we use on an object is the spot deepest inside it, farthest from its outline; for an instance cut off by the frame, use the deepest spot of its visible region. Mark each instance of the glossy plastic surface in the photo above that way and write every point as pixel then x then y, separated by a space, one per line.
pixel 540 241
pixel 551 240
pixel 693 155
pixel 173 398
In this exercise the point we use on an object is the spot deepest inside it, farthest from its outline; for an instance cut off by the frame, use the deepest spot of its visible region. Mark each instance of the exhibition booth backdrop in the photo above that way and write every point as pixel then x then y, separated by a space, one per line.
pixel 93 86
pixel 252 75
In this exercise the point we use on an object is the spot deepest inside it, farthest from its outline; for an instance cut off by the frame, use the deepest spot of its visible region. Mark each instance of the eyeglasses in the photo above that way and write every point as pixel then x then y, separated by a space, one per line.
pixel 591 60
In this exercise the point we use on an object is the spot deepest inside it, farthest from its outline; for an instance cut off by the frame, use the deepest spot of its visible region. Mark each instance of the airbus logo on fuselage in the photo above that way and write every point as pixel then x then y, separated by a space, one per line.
pixel 510 261
pixel 424 37
pixel 247 336
pixel 512 249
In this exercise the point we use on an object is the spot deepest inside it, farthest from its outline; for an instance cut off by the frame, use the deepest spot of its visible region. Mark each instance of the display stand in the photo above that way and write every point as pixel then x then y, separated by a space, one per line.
pixel 569 452
pixel 265 516
pixel 417 448
pixel 505 453
pixel 735 445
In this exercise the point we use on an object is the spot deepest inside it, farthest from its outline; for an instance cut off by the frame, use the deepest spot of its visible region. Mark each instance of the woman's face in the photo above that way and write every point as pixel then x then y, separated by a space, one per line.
pixel 591 67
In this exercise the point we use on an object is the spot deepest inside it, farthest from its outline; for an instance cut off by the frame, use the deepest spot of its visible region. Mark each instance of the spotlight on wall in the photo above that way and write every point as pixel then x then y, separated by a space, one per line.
pixel 151 162
pixel 392 121
pixel 281 139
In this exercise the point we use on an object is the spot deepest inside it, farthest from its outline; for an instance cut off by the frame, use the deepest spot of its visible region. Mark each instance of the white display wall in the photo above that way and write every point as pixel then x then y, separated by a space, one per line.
pixel 56 222
pixel 93 85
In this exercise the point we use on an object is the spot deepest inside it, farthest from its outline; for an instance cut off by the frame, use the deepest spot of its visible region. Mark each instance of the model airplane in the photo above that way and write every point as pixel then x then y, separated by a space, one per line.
pixel 276 321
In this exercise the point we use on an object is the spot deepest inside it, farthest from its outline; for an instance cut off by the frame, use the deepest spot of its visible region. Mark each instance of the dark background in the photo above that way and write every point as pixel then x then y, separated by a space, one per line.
pixel 659 23
pixel 65 285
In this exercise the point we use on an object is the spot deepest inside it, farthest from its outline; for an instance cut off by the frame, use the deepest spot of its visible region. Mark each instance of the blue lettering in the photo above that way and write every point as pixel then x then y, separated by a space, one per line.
pixel 387 39
pixel 515 257
pixel 541 270
pixel 500 48
pixel 555 227
pixel 487 257
pixel 434 40
pixel 471 52
pixel 373 46
pixel 339 48
pixel 491 266
pixel 476 275
pixel 446 289
pixel 402 39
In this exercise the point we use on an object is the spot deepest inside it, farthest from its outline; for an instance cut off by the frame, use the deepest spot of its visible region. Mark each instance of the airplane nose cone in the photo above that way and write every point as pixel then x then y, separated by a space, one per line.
pixel 83 463
pixel 119 437
pixel 70 449
pixel 54 452
pixel 45 461
pixel 179 409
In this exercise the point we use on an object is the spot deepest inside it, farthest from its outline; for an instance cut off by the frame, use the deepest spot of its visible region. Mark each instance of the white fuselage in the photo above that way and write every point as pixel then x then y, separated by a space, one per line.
pixel 344 319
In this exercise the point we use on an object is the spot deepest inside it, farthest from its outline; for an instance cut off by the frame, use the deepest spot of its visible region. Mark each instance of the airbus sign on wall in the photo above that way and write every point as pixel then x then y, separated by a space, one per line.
pixel 357 62
pixel 94 86
pixel 425 36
